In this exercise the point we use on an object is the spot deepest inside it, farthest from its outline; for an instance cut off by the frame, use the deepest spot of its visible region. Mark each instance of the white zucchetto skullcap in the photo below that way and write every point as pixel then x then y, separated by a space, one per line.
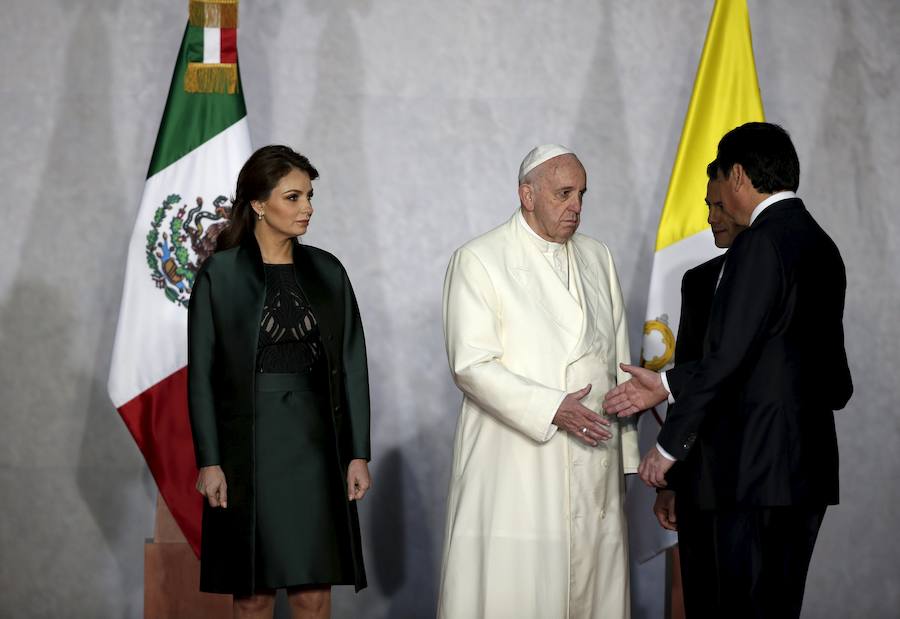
pixel 539 155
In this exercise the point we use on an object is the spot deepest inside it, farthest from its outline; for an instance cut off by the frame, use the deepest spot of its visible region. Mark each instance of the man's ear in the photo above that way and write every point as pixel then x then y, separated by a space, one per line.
pixel 526 196
pixel 738 177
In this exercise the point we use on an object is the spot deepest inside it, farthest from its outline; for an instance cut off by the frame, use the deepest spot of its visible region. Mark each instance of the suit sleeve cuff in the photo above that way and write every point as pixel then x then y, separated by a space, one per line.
pixel 665 454
pixel 665 382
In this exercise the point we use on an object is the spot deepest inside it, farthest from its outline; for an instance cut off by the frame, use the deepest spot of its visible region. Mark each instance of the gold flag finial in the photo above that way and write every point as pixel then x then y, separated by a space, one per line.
pixel 213 13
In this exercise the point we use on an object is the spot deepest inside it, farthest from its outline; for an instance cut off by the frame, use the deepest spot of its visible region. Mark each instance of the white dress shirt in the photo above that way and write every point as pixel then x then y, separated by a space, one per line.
pixel 775 197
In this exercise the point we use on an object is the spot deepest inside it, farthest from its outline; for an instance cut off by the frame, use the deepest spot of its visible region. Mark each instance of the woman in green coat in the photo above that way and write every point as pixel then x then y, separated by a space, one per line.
pixel 279 401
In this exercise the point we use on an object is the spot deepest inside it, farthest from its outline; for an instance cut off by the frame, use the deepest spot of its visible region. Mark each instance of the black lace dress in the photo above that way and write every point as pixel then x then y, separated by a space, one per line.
pixel 301 501
pixel 289 339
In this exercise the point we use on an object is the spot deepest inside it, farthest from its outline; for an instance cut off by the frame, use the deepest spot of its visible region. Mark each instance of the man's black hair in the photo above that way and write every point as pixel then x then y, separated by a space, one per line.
pixel 766 153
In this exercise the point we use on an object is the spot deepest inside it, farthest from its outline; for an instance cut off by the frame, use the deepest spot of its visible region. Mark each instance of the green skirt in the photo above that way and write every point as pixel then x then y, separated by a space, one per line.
pixel 303 532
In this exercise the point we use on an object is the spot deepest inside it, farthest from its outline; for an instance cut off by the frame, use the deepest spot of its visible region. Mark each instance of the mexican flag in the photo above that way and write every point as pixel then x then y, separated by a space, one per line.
pixel 726 94
pixel 202 143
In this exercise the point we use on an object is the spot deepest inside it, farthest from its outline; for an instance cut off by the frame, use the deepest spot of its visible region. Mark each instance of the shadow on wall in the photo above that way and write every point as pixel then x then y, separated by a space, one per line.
pixel 336 126
pixel 400 541
pixel 60 319
pixel 601 123
pixel 39 386
pixel 387 527
pixel 118 494
pixel 846 138
pixel 262 16
pixel 849 169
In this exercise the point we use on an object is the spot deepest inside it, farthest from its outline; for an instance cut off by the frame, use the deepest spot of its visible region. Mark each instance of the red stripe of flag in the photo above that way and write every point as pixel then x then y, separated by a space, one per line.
pixel 158 420
pixel 228 45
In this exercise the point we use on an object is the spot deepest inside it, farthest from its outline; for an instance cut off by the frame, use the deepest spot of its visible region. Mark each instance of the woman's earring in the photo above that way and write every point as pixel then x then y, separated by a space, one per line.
pixel 259 215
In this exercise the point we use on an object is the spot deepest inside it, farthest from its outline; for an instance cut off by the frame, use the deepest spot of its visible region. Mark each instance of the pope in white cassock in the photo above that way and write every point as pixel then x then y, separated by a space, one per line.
pixel 535 329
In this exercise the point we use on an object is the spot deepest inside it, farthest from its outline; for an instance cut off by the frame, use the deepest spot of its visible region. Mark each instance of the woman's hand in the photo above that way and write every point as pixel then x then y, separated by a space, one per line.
pixel 358 480
pixel 211 484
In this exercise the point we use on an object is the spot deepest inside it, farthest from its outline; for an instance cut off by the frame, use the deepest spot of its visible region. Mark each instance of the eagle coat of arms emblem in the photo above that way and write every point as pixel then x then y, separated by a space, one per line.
pixel 179 240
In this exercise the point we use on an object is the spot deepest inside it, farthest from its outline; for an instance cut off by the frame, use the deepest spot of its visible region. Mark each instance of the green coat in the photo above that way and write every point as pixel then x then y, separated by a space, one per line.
pixel 223 326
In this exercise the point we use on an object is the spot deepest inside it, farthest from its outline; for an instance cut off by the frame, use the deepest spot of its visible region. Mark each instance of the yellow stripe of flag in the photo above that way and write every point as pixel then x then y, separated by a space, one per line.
pixel 726 94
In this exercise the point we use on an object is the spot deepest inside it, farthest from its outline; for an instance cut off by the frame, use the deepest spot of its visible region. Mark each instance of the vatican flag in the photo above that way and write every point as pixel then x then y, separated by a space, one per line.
pixel 726 94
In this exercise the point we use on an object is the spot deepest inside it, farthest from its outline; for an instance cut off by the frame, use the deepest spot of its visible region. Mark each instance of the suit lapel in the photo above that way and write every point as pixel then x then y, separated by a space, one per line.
pixel 710 283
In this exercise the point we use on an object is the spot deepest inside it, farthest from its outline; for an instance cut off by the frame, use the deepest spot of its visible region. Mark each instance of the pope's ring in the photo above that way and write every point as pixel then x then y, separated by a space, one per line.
pixel 584 430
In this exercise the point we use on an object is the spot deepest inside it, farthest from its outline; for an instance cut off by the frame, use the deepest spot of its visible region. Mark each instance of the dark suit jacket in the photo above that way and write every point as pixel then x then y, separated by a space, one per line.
pixel 691 478
pixel 775 344
pixel 223 326
pixel 697 289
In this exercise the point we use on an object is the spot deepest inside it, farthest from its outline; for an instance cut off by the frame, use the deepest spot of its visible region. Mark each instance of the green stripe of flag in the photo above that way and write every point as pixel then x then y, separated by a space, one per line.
pixel 190 119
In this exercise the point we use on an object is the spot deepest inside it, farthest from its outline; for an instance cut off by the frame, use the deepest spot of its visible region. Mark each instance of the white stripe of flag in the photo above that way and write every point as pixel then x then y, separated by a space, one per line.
pixel 212 46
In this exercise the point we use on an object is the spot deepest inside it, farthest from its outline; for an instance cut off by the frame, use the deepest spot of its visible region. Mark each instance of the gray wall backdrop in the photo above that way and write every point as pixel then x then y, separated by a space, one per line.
pixel 417 114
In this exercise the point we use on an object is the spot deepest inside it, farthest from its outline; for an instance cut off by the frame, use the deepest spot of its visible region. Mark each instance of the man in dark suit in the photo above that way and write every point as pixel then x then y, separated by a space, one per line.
pixel 774 347
pixel 695 550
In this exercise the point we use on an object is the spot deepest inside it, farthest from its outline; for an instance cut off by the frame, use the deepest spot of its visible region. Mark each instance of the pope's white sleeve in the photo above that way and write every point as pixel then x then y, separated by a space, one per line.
pixel 631 455
pixel 472 326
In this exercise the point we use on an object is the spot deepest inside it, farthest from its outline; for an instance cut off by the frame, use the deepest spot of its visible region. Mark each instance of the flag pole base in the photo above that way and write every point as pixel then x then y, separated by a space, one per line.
pixel 172 575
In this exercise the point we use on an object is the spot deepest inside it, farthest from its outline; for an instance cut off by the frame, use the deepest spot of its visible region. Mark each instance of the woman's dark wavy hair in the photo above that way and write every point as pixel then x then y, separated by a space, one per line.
pixel 257 179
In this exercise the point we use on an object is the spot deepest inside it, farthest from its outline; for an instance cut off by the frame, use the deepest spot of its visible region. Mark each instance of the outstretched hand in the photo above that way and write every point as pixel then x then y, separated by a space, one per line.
pixel 581 422
pixel 643 390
